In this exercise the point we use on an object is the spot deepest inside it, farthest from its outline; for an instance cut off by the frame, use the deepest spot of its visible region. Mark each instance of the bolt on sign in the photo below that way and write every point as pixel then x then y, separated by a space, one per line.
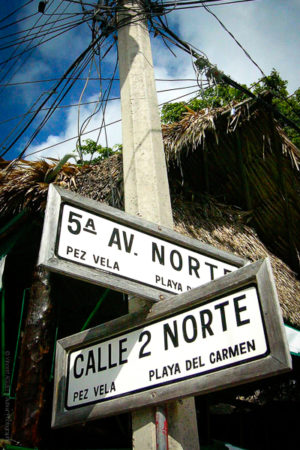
pixel 225 333
pixel 85 239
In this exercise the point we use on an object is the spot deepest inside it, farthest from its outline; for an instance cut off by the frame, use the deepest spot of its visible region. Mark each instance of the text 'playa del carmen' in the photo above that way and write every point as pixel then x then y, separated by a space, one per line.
pixel 221 333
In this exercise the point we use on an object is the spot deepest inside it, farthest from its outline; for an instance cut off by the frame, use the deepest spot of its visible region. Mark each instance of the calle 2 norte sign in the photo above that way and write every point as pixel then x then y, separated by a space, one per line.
pixel 85 239
pixel 226 332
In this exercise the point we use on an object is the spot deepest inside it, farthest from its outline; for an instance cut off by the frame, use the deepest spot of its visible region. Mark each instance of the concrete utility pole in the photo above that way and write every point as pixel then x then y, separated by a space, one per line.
pixel 147 195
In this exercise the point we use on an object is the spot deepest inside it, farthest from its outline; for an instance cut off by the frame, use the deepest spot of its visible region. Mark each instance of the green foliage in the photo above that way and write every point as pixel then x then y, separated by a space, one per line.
pixel 172 112
pixel 213 97
pixel 221 95
pixel 289 106
pixel 96 153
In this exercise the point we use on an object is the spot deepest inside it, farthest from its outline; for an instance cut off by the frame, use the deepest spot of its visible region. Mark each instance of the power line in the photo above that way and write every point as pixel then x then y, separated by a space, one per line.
pixel 98 128
pixel 55 105
pixel 69 14
pixel 81 2
pixel 40 26
pixel 234 38
pixel 20 83
pixel 15 11
pixel 63 27
pixel 92 102
pixel 61 95
pixel 71 68
pixel 40 43
pixel 72 138
pixel 178 98
pixel 138 16
pixel 84 58
pixel 18 21
pixel 164 31
pixel 200 4
pixel 13 53
pixel 58 107
pixel 226 79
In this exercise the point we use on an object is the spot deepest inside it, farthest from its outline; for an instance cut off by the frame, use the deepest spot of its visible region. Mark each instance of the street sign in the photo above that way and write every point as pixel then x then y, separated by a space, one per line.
pixel 225 333
pixel 85 239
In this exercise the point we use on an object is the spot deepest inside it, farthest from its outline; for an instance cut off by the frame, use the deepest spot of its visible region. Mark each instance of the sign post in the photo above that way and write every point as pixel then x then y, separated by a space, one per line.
pixel 146 190
pixel 224 333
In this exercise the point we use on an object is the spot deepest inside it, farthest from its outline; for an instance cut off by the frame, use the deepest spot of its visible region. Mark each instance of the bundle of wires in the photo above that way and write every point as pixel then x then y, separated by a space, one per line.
pixel 53 18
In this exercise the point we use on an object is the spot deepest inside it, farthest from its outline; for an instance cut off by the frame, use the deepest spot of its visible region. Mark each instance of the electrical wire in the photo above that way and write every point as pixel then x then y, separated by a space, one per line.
pixel 43 42
pixel 93 102
pixel 227 80
pixel 53 107
pixel 41 26
pixel 66 88
pixel 58 107
pixel 136 16
pixel 15 11
pixel 21 83
pixel 178 98
pixel 106 97
pixel 15 50
pixel 69 70
pixel 64 27
pixel 30 111
pixel 81 3
pixel 96 129
pixel 57 101
pixel 18 21
pixel 234 38
pixel 78 145
pixel 200 4
pixel 17 67
pixel 72 138
pixel 48 22
pixel 72 75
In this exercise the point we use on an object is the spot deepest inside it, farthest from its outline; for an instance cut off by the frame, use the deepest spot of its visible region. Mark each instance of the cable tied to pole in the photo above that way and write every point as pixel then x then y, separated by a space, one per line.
pixel 211 71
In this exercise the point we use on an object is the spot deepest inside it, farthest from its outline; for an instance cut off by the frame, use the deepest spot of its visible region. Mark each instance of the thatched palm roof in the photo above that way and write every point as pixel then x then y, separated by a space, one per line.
pixel 225 174
pixel 244 160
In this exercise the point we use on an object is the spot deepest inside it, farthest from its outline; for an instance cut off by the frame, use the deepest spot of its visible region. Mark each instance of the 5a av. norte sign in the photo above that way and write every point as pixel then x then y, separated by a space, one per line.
pixel 227 332
pixel 87 240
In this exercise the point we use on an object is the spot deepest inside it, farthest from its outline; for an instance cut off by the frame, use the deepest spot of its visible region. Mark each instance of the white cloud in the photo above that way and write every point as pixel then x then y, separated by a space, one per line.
pixel 65 45
pixel 67 48
pixel 34 70
pixel 175 88
pixel 113 113
pixel 268 30
pixel 58 150
pixel 177 69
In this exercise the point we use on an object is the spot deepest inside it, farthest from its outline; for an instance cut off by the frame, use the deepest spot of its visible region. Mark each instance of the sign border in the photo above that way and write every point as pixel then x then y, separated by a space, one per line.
pixel 182 378
pixel 277 361
pixel 49 259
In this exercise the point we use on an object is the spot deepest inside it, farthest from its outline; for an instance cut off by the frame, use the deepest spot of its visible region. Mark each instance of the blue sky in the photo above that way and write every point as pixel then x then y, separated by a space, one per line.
pixel 267 29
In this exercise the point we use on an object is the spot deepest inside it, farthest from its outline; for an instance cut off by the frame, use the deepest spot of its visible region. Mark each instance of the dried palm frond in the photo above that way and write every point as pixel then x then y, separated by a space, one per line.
pixel 224 229
pixel 22 185
pixel 237 171
pixel 248 162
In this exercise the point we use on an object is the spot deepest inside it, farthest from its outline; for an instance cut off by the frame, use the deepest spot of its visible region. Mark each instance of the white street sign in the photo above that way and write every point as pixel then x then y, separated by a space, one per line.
pixel 220 333
pixel 226 332
pixel 91 241
pixel 95 241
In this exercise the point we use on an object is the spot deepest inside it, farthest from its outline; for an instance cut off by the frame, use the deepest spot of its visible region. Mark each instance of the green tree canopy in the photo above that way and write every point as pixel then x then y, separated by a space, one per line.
pixel 223 94
pixel 93 153
pixel 288 105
